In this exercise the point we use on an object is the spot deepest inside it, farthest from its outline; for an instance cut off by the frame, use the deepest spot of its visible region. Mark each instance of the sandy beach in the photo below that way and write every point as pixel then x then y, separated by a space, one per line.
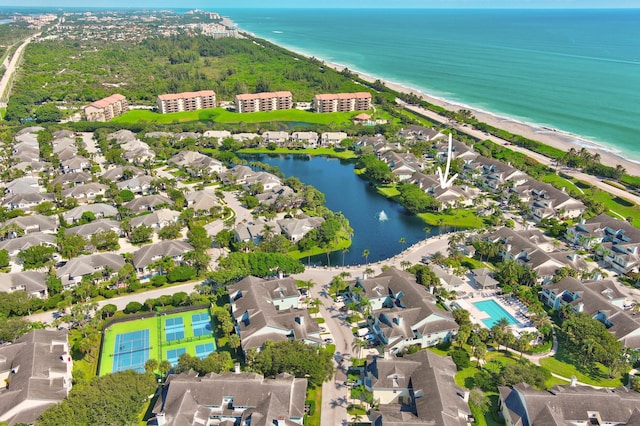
pixel 547 136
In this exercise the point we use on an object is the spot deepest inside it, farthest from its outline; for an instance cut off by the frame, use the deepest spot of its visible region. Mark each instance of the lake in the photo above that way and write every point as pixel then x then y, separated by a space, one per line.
pixel 378 223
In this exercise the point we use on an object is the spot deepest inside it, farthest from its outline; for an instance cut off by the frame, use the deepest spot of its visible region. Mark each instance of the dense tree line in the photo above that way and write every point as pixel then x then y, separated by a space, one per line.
pixel 114 399
pixel 296 358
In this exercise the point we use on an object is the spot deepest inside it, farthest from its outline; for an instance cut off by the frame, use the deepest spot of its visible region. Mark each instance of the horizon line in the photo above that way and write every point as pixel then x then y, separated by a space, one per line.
pixel 315 7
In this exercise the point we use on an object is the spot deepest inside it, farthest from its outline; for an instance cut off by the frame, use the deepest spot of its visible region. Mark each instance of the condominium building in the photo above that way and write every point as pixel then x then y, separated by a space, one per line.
pixel 342 102
pixel 186 101
pixel 266 101
pixel 107 108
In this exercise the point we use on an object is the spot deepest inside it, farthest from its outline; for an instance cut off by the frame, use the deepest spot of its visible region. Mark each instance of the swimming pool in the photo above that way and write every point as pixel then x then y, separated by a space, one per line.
pixel 495 312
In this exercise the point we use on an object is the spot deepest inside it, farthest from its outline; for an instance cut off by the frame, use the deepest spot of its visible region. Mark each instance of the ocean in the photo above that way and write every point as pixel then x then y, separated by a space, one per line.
pixel 577 71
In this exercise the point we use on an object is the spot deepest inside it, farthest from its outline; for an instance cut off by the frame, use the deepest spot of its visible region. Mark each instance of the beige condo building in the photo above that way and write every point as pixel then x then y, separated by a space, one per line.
pixel 107 108
pixel 266 101
pixel 342 102
pixel 186 101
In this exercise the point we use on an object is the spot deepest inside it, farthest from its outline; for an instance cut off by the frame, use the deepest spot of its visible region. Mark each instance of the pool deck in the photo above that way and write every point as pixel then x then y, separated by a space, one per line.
pixel 477 315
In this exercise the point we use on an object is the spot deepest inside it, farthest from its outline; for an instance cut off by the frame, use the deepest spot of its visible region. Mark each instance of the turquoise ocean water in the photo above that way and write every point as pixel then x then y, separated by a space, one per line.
pixel 574 70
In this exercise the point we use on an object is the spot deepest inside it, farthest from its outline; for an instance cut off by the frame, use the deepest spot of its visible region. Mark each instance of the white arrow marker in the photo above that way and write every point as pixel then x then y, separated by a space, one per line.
pixel 444 183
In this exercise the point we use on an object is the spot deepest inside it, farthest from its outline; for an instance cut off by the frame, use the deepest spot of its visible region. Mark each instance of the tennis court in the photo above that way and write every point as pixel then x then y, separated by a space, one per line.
pixel 131 351
pixel 204 349
pixel 174 329
pixel 164 335
pixel 201 324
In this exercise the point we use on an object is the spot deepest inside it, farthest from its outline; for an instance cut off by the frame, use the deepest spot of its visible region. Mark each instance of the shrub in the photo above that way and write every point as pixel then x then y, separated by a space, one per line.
pixel 158 280
pixel 181 273
pixel 133 307
pixel 461 358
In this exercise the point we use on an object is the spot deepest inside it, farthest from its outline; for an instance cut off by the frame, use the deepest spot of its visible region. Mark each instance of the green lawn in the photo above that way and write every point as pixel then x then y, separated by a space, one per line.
pixel 459 219
pixel 344 241
pixel 561 365
pixel 156 335
pixel 329 152
pixel 221 115
pixel 560 182
pixel 388 190
pixel 314 399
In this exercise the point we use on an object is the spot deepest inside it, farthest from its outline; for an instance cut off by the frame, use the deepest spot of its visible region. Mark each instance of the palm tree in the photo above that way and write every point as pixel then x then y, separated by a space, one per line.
pixel 357 346
pixel 427 230
pixel 344 251
pixel 405 264
pixel 402 242
pixel 365 254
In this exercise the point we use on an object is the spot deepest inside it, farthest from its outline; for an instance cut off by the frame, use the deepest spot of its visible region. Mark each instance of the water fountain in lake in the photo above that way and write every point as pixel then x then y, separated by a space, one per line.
pixel 382 216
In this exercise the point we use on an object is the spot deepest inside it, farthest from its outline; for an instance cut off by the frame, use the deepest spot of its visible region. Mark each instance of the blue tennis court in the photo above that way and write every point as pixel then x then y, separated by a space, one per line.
pixel 201 324
pixel 174 354
pixel 174 329
pixel 203 350
pixel 131 351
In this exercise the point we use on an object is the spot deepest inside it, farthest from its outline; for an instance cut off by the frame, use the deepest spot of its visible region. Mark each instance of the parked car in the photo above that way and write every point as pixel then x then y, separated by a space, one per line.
pixel 328 340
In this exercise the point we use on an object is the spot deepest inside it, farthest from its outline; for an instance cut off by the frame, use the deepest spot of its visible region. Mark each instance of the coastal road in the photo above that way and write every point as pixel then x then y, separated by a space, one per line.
pixel 11 69
pixel 593 180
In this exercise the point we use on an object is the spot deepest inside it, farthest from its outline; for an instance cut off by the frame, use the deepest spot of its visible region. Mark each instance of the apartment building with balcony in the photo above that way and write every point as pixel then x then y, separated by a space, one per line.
pixel 107 108
pixel 342 102
pixel 265 101
pixel 186 101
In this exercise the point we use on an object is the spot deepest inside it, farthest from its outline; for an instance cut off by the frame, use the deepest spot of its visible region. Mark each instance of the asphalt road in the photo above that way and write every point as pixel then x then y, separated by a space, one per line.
pixel 11 67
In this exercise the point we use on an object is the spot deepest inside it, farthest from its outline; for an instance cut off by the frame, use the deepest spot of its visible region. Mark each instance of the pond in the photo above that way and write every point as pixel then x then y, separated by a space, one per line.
pixel 378 223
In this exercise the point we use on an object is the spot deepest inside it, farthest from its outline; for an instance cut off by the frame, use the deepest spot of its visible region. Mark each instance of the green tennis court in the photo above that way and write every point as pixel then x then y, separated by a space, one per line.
pixel 165 335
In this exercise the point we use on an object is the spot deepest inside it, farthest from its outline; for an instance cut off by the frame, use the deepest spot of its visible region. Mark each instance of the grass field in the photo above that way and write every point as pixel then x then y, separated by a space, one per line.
pixel 459 219
pixel 221 115
pixel 157 339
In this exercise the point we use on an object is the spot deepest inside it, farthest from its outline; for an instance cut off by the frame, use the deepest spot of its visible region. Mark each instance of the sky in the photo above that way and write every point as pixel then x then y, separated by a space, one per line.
pixel 222 4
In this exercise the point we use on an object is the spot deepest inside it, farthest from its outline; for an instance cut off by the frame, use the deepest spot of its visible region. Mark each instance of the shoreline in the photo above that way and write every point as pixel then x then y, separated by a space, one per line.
pixel 542 133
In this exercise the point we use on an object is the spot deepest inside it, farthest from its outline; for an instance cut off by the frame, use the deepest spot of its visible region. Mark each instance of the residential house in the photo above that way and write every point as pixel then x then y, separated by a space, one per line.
pixel 99 210
pixel 33 223
pixel 202 201
pixel 254 231
pixel 450 196
pixel 568 406
pixel 266 101
pixel 231 399
pixel 122 136
pixel 156 220
pixel 75 269
pixel 403 165
pixel 342 102
pixel 35 372
pixel 296 228
pixel 237 175
pixel 148 254
pixel 86 193
pixel 186 101
pixel 23 185
pixel 269 310
pixel 266 180
pixel 137 185
pixel 279 138
pixel 601 300
pixel 75 164
pixel 31 282
pixel 213 228
pixel 546 201
pixel 448 279
pixel 494 174
pixel 107 108
pixel 195 163
pixel 417 389
pixel 282 197
pixel 26 202
pixel 328 139
pixel 246 137
pixel 16 245
pixel 92 228
pixel 403 313
pixel 533 249
pixel 147 203
pixel 420 133
pixel 616 241
pixel 68 180
pixel 304 139
pixel 137 152
pixel 219 135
